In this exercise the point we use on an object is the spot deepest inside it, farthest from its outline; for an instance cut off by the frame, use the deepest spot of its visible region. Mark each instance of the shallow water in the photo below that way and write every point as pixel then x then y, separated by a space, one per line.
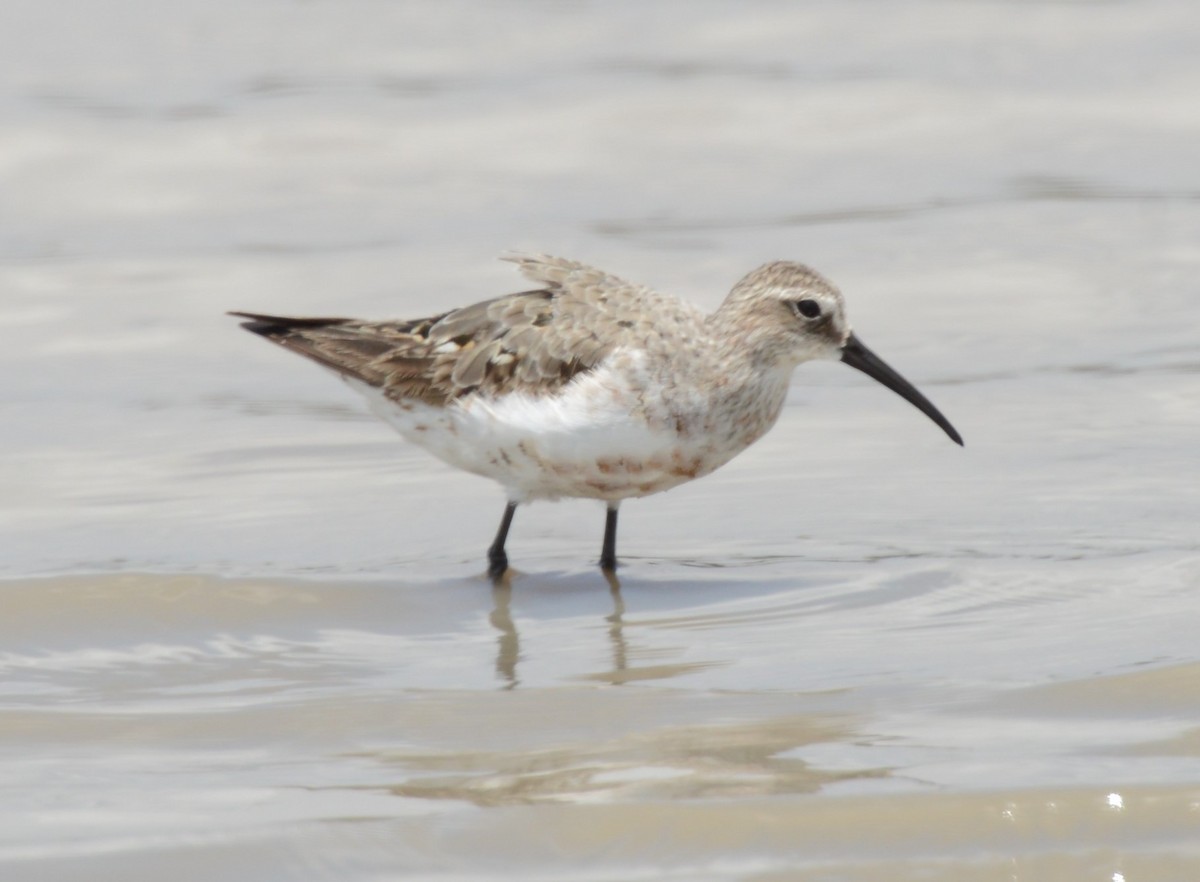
pixel 245 630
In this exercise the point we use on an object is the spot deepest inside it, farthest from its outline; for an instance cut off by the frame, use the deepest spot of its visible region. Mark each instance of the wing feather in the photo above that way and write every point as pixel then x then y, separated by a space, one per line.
pixel 533 342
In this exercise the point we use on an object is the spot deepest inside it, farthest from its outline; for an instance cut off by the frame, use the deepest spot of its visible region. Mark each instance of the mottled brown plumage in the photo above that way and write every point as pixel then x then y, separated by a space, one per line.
pixel 532 342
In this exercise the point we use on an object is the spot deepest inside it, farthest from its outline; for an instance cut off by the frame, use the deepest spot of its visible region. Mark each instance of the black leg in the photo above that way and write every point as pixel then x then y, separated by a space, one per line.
pixel 497 559
pixel 608 554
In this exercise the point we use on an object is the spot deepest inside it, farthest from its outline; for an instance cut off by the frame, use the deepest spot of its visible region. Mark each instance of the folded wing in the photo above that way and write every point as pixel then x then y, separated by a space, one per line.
pixel 533 342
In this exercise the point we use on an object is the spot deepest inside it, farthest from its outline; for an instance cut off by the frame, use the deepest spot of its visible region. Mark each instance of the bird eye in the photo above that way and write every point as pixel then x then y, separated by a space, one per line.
pixel 807 308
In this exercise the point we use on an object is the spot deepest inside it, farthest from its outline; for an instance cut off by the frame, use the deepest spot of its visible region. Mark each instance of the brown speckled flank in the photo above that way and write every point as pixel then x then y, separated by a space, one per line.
pixel 589 386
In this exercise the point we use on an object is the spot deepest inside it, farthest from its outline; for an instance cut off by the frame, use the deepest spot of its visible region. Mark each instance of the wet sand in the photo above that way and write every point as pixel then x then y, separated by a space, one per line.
pixel 300 729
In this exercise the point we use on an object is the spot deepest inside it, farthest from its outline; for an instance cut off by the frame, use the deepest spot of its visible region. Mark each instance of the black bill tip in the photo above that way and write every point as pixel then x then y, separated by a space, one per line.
pixel 859 357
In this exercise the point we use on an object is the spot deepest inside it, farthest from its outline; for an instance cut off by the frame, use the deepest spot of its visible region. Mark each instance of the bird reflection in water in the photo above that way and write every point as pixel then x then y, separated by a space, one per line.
pixel 616 626
pixel 508 644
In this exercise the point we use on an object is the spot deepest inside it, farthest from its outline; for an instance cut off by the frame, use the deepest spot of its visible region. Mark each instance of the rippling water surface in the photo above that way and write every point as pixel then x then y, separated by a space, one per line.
pixel 245 633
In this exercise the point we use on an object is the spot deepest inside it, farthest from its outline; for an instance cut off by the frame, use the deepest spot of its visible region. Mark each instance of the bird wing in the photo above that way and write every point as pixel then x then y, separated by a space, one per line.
pixel 533 342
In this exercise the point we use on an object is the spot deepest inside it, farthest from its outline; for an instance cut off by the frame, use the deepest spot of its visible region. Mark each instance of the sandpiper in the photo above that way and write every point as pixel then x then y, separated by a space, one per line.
pixel 589 386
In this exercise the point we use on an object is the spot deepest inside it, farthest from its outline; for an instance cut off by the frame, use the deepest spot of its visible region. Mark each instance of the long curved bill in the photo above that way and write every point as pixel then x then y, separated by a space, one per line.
pixel 858 356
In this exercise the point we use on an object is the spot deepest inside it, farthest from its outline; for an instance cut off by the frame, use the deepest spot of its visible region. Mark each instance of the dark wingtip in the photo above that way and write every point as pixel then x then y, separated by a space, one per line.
pixel 263 325
pixel 276 325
